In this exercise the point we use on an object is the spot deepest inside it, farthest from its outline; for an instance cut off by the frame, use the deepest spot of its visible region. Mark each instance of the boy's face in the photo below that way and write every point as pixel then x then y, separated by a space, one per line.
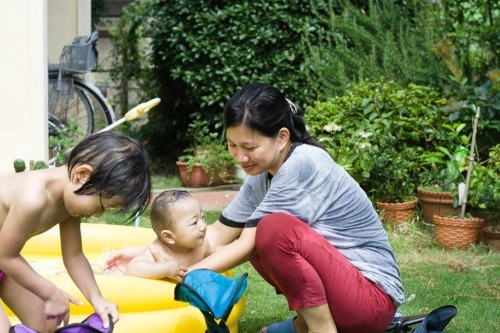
pixel 189 227
pixel 91 205
pixel 87 205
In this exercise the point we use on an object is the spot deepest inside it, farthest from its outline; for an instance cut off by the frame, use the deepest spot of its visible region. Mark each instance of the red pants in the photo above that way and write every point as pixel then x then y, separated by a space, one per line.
pixel 309 271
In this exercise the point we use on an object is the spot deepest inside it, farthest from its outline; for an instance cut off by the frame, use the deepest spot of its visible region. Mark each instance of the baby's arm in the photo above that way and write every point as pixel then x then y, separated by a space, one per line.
pixel 153 265
pixel 119 259
pixel 81 273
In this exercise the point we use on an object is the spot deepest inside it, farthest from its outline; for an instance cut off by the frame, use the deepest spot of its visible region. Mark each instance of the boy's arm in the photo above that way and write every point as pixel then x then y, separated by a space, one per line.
pixel 17 227
pixel 155 266
pixel 80 271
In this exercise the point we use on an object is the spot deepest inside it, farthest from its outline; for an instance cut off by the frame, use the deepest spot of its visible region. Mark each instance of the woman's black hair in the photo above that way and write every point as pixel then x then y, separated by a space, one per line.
pixel 120 167
pixel 265 109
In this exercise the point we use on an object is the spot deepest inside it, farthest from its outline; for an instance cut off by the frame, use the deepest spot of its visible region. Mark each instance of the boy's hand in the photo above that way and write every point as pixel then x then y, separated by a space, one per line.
pixel 57 307
pixel 105 309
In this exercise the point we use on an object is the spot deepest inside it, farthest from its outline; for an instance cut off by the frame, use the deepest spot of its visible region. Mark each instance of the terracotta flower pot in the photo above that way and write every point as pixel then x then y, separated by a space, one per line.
pixel 451 232
pixel 197 177
pixel 397 212
pixel 435 203
pixel 491 238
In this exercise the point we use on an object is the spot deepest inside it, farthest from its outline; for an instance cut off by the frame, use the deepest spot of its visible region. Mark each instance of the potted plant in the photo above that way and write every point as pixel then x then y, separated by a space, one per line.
pixel 441 172
pixel 462 230
pixel 392 183
pixel 484 196
pixel 207 164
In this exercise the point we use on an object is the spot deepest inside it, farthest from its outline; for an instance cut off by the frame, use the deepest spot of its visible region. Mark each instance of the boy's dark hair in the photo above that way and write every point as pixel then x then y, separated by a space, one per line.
pixel 120 167
pixel 162 209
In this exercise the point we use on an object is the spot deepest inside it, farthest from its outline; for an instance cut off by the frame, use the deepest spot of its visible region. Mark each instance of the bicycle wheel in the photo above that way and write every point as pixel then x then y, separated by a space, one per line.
pixel 80 101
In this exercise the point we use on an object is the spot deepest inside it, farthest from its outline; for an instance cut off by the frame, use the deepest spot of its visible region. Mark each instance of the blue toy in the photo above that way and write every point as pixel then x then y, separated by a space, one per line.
pixel 213 294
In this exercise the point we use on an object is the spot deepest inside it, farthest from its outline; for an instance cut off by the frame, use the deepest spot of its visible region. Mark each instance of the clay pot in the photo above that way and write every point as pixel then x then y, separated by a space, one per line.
pixel 197 177
pixel 397 212
pixel 453 232
pixel 435 203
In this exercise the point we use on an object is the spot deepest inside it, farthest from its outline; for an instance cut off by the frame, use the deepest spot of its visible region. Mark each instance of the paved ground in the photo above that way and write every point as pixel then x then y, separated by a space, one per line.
pixel 211 198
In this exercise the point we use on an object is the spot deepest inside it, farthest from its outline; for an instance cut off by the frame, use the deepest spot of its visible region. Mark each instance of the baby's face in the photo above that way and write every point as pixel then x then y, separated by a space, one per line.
pixel 190 226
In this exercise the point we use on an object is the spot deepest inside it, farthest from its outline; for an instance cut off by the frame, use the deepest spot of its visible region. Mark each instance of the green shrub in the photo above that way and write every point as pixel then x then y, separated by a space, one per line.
pixel 386 39
pixel 377 123
pixel 204 51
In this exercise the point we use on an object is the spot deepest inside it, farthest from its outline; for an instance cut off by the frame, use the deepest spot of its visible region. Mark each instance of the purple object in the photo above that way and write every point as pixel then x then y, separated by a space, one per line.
pixel 21 329
pixel 92 324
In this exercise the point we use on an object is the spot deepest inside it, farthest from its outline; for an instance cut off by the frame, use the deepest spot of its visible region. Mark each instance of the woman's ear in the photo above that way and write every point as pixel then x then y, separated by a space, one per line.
pixel 168 237
pixel 283 136
pixel 81 174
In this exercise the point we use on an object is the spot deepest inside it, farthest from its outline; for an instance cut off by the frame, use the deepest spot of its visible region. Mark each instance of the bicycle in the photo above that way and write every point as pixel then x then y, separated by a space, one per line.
pixel 73 98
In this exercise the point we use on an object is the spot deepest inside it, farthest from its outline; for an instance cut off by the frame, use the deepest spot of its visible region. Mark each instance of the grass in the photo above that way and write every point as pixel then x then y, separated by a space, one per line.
pixel 432 277
pixel 168 181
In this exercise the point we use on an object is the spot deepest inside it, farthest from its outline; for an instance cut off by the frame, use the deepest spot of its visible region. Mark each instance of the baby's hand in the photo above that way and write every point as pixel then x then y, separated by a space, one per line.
pixel 104 309
pixel 177 270
pixel 56 308
pixel 121 257
pixel 171 267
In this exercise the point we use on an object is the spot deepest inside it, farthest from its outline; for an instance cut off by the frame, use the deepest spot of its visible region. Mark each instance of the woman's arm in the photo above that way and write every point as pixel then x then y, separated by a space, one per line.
pixel 231 255
pixel 219 234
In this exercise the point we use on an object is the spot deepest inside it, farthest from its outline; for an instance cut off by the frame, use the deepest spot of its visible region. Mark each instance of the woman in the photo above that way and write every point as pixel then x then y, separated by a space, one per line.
pixel 306 226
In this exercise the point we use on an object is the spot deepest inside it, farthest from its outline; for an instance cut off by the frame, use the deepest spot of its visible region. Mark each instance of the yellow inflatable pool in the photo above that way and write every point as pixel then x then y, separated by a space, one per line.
pixel 145 305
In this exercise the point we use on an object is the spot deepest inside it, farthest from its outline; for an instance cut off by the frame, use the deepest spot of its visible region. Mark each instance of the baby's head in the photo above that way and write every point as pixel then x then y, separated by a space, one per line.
pixel 179 213
pixel 163 210
pixel 120 167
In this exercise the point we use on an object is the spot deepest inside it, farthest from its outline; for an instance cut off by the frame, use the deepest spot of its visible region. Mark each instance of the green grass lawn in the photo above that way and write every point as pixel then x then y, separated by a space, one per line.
pixel 432 277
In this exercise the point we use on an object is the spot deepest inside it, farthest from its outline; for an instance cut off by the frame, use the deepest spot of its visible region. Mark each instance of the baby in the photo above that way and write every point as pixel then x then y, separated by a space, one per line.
pixel 180 227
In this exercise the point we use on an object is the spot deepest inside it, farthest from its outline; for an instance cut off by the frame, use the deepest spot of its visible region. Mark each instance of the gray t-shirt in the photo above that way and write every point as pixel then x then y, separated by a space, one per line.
pixel 312 187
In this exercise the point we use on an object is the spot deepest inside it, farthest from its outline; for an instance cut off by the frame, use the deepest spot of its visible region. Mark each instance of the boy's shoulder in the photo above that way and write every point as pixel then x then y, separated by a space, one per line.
pixel 28 190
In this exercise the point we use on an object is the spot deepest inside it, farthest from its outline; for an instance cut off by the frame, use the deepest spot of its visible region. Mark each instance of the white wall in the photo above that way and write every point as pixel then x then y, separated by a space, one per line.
pixel 23 86
pixel 32 29
pixel 66 20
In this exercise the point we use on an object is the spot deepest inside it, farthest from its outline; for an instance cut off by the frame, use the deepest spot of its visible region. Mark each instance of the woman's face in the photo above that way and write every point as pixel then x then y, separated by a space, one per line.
pixel 255 152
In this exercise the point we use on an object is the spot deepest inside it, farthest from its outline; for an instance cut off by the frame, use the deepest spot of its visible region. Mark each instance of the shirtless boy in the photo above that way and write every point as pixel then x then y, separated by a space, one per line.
pixel 105 172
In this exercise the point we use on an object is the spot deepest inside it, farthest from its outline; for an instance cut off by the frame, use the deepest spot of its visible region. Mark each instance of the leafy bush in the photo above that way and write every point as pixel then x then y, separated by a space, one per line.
pixel 204 51
pixel 377 123
pixel 387 39
pixel 130 55
pixel 472 27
